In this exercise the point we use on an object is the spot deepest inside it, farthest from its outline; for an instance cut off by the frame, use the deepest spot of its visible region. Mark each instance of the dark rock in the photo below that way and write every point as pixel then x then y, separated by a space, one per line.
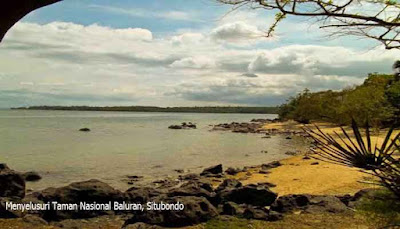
pixel 35 221
pixel 175 127
pixel 196 210
pixel 217 169
pixel 12 184
pixel 142 194
pixel 290 203
pixel 306 158
pixel 190 176
pixel 257 195
pixel 194 188
pixel 274 216
pixel 232 171
pixel 309 203
pixel 264 172
pixel 326 204
pixel 271 165
pixel 229 184
pixel 87 191
pixel 179 170
pixel 7 213
pixel 231 208
pixel 315 163
pixel 31 176
pixel 255 213
pixel 84 129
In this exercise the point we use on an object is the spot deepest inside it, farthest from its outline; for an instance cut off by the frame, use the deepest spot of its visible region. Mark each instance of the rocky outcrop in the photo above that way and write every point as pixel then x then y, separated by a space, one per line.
pixel 196 210
pixel 12 183
pixel 87 191
pixel 217 169
pixel 184 125
pixel 252 194
pixel 142 194
pixel 309 203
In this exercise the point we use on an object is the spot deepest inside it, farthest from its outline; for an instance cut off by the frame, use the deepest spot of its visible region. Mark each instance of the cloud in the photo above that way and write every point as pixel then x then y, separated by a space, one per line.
pixel 190 62
pixel 145 13
pixel 68 63
pixel 251 75
pixel 236 32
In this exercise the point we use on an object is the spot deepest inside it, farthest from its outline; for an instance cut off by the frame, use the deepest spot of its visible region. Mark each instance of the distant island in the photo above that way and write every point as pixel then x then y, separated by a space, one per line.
pixel 215 109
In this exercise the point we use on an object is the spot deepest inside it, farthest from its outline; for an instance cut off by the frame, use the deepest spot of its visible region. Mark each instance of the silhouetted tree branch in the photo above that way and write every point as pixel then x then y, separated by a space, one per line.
pixel 373 19
pixel 11 11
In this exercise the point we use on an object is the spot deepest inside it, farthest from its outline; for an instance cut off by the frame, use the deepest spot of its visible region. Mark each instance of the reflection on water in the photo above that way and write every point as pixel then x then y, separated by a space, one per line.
pixel 123 144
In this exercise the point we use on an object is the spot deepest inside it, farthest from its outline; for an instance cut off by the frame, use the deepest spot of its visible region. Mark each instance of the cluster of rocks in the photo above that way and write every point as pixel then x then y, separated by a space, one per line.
pixel 244 127
pixel 201 199
pixel 257 126
pixel 184 125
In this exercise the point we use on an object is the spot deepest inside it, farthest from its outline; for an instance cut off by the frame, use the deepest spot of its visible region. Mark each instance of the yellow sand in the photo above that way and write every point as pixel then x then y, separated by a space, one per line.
pixel 297 176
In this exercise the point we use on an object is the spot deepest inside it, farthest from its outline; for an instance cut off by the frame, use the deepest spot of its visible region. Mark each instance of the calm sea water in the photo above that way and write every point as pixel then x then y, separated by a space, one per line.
pixel 122 144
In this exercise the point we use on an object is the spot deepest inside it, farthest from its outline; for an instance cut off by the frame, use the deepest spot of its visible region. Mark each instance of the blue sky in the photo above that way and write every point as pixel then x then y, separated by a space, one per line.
pixel 173 53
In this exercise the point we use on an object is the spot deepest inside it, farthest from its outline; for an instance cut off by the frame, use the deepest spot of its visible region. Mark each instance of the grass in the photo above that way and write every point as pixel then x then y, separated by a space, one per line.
pixel 382 210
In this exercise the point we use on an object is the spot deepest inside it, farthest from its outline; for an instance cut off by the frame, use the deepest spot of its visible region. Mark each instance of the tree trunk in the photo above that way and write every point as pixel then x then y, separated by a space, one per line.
pixel 11 11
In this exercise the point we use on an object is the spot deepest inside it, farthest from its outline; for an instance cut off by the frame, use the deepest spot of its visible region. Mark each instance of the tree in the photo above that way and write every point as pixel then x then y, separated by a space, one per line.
pixel 11 11
pixel 373 19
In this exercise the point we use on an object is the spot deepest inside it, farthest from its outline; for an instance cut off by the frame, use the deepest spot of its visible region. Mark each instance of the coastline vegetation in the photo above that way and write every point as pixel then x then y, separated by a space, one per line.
pixel 210 109
pixel 376 100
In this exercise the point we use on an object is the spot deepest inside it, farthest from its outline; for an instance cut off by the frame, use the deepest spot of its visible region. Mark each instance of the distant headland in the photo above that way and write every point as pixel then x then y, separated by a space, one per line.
pixel 210 109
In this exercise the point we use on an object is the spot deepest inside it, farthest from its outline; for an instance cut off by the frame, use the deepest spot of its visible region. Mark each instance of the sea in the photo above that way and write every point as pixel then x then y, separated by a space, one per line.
pixel 122 144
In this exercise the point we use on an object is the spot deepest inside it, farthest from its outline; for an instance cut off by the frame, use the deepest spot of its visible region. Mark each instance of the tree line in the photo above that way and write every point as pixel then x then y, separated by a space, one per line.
pixel 210 109
pixel 377 101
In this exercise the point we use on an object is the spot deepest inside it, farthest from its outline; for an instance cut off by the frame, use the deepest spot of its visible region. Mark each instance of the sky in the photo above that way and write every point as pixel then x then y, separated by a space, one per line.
pixel 174 53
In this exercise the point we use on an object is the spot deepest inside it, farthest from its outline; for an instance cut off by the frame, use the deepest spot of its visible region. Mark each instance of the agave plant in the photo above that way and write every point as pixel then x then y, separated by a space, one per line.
pixel 359 153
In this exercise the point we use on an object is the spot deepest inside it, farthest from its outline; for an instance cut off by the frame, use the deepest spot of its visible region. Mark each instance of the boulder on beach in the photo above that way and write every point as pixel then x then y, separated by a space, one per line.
pixel 84 130
pixel 217 169
pixel 196 210
pixel 12 183
pixel 253 194
pixel 87 191
pixel 142 194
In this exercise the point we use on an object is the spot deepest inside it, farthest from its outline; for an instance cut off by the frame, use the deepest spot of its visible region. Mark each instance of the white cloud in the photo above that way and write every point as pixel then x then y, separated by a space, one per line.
pixel 145 13
pixel 66 63
pixel 236 32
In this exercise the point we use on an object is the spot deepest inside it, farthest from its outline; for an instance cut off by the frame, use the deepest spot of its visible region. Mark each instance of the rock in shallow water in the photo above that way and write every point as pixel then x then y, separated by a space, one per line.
pixel 217 169
pixel 31 176
pixel 12 183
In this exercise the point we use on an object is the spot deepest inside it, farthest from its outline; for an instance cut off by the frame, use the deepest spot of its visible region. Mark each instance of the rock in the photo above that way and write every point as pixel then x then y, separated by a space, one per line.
pixel 142 194
pixel 179 170
pixel 309 203
pixel 271 165
pixel 306 158
pixel 264 171
pixel 291 153
pixel 274 216
pixel 35 221
pixel 196 210
pixel 257 195
pixel 12 184
pixel 314 163
pixel 229 184
pixel 31 176
pixel 231 208
pixel 166 183
pixel 6 213
pixel 141 226
pixel 326 204
pixel 290 203
pixel 87 191
pixel 175 127
pixel 217 169
pixel 190 176
pixel 184 125
pixel 84 129
pixel 194 188
pixel 232 171
pixel 255 213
